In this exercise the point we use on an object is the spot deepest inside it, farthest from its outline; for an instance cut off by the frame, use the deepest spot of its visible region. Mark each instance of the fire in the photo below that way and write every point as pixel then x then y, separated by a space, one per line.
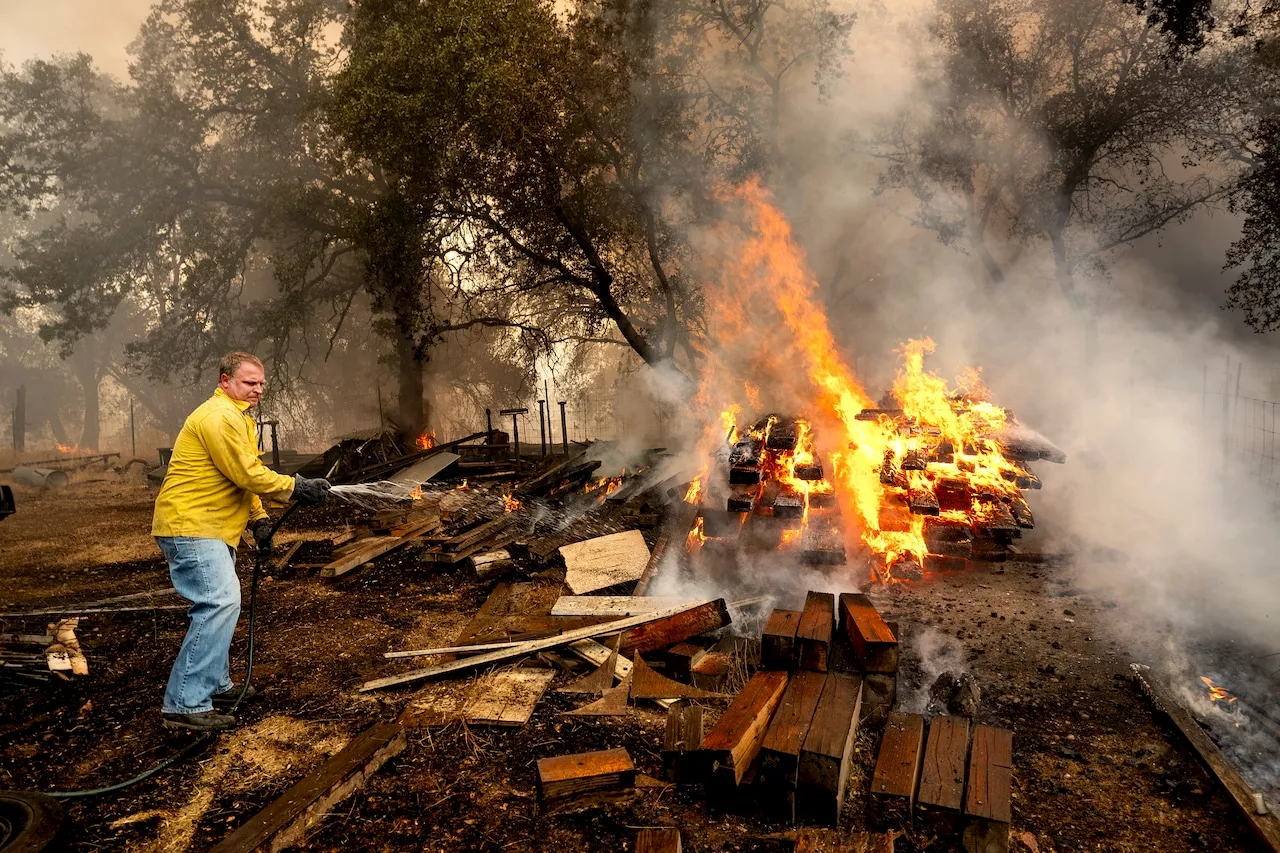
pixel 510 504
pixel 1216 693
pixel 931 449
pixel 605 486
pixel 426 441
pixel 416 494
pixel 68 448
pixel 461 486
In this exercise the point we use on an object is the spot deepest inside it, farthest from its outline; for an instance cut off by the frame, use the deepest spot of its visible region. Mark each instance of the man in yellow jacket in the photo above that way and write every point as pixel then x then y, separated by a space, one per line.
pixel 212 491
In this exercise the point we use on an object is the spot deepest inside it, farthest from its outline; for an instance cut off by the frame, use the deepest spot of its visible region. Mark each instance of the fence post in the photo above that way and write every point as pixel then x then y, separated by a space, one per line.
pixel 564 429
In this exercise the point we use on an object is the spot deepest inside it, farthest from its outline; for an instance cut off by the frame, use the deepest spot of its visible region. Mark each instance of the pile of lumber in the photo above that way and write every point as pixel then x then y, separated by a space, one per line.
pixel 27 659
pixel 954 782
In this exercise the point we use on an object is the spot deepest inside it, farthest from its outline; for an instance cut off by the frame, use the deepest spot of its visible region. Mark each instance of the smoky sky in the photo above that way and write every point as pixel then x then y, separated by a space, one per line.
pixel 102 28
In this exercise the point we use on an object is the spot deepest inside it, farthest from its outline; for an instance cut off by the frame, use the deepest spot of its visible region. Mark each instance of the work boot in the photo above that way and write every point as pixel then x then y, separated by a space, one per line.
pixel 227 698
pixel 204 721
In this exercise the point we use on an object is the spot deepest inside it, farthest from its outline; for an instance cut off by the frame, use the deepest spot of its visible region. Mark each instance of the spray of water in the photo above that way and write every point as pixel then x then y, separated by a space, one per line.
pixel 375 496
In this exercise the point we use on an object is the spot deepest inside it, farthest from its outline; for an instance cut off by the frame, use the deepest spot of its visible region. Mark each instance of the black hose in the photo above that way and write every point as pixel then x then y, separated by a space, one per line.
pixel 207 736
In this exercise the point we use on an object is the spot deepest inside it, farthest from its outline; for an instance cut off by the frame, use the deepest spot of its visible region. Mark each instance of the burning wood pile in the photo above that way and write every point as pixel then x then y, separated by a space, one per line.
pixel 945 490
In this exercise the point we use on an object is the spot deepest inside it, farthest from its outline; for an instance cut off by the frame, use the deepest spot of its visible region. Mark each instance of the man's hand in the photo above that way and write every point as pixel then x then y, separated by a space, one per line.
pixel 310 492
pixel 262 536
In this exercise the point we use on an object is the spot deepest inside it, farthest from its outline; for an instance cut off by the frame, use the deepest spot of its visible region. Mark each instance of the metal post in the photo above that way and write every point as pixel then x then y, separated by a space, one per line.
pixel 542 426
pixel 20 421
pixel 564 429
pixel 515 429
pixel 133 435
pixel 488 423
pixel 275 446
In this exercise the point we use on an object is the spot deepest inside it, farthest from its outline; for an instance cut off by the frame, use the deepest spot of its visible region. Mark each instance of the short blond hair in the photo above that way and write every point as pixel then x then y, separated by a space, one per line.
pixel 230 363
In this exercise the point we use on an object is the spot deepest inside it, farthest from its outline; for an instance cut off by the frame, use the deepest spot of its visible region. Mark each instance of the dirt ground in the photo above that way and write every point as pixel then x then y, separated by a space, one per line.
pixel 1094 770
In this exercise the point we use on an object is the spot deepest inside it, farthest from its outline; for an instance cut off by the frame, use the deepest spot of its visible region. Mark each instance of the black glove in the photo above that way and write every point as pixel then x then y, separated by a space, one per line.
pixel 310 492
pixel 262 536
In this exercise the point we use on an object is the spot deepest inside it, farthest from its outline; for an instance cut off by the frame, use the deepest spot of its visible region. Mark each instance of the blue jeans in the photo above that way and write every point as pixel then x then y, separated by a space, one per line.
pixel 203 572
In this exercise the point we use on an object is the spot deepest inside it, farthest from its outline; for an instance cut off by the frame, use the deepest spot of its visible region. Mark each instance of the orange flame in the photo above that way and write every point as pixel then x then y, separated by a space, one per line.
pixel 1216 693
pixel 416 494
pixel 764 283
pixel 510 504
pixel 426 441
pixel 68 448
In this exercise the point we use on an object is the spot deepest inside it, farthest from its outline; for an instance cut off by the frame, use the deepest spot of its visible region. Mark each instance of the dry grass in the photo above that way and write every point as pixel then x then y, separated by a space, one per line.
pixel 101 518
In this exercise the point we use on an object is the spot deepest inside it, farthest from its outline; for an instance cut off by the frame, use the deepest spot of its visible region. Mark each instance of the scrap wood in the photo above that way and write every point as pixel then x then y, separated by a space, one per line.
pixel 286 821
pixel 376 549
pixel 527 648
pixel 605 561
pixel 507 697
pixel 1266 827
pixel 674 536
pixel 646 683
pixel 612 704
pixel 593 652
pixel 424 469
pixel 450 650
pixel 283 560
pixel 572 779
pixel 64 654
pixel 601 678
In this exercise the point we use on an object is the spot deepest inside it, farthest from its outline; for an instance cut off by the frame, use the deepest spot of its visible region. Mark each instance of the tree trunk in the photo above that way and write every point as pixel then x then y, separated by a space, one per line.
pixel 411 413
pixel 86 369
pixel 1084 307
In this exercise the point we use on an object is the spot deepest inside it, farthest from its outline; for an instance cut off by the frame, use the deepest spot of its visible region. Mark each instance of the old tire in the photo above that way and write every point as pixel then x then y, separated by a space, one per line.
pixel 29 822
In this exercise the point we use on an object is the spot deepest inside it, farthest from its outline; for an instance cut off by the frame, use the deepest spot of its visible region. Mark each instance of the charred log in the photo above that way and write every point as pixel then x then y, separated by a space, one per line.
pixel 993 520
pixel 889 469
pixel 788 504
pixel 877 414
pixel 743 498
pixel 922 500
pixel 744 475
pixel 953 493
pixel 915 460
pixel 810 471
pixel 941 530
pixel 1021 512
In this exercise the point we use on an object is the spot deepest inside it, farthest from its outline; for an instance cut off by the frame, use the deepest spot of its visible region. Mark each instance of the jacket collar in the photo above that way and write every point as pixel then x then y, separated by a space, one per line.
pixel 242 405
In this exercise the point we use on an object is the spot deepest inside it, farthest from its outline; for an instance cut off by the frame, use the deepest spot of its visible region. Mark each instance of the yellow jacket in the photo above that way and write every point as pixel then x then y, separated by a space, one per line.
pixel 216 475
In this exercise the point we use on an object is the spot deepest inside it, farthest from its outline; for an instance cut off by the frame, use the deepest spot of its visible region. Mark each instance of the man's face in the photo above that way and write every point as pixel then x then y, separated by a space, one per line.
pixel 246 386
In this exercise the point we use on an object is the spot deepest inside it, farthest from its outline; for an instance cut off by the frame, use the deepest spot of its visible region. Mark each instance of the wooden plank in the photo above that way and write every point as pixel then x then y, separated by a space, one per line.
pixel 424 469
pixel 659 840
pixel 522 650
pixel 450 650
pixel 286 821
pixel 813 633
pixel 826 755
pixel 677 627
pixel 893 784
pixel 733 743
pixel 283 560
pixel 780 749
pixel 874 644
pixel 987 805
pixel 508 697
pixel 373 550
pixel 605 561
pixel 778 642
pixel 680 742
pixel 648 684
pixel 618 606
pixel 941 791
pixel 587 777
pixel 1265 827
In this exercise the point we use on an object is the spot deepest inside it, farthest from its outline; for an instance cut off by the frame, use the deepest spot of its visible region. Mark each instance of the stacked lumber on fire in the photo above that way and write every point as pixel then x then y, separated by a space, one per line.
pixel 944 784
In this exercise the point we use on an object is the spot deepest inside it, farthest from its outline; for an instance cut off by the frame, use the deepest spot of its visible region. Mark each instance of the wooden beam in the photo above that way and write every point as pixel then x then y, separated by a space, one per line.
pixel 987 805
pixel 893 784
pixel 518 651
pixel 826 754
pixel 287 820
pixel 812 840
pixel 584 778
pixel 661 840
pixel 813 633
pixel 680 742
pixel 778 642
pixel 1265 827
pixel 678 625
pixel 682 658
pixel 874 644
pixel 601 678
pixel 382 545
pixel 941 793
pixel 734 741
pixel 780 749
